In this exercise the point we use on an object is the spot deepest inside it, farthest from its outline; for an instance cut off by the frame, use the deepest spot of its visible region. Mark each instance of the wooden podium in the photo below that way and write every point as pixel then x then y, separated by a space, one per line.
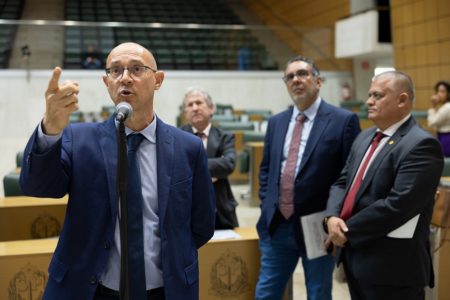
pixel 229 268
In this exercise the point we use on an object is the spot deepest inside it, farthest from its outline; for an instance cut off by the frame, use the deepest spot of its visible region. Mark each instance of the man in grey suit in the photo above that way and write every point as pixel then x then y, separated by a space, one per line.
pixel 199 108
pixel 389 183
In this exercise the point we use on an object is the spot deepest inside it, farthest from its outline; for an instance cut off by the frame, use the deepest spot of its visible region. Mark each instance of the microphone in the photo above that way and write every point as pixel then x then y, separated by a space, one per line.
pixel 123 111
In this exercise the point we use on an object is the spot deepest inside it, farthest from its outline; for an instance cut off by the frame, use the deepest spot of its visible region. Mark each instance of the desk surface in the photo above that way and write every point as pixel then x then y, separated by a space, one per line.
pixel 27 247
pixel 254 144
pixel 42 246
pixel 246 233
pixel 21 201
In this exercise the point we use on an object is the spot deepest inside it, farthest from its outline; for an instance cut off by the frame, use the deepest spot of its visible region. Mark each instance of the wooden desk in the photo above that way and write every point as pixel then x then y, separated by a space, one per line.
pixel 23 266
pixel 256 153
pixel 228 268
pixel 237 177
pixel 441 263
pixel 24 217
pixel 441 258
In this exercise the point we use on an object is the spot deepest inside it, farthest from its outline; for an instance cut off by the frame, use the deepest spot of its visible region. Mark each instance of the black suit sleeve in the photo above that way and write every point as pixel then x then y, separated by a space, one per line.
pixel 223 165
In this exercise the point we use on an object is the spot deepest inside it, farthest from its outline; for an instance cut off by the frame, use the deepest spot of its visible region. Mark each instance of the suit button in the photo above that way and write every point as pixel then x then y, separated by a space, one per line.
pixel 93 280
pixel 107 245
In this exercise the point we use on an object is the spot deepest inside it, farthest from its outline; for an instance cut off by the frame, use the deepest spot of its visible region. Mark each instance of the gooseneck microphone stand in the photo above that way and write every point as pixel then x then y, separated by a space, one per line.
pixel 122 182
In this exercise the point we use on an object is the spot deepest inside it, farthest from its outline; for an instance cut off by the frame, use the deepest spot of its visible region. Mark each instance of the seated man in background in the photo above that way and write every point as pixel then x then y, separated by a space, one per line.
pixel 198 109
pixel 92 58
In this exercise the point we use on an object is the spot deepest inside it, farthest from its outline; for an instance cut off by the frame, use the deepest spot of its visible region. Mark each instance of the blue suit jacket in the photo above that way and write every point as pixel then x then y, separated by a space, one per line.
pixel 84 165
pixel 326 151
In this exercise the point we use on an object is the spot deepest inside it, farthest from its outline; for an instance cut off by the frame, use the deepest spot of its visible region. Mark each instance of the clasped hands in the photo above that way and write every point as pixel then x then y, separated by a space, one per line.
pixel 61 101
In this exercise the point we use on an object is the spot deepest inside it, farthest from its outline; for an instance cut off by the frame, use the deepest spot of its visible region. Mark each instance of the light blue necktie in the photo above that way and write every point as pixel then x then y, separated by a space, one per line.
pixel 136 263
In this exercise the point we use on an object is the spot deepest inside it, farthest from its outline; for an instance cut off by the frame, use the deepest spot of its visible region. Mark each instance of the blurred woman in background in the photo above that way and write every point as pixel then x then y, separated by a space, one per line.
pixel 439 114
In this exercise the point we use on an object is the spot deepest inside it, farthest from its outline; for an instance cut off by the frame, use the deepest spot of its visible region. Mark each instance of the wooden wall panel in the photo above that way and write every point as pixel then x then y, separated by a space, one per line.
pixel 431 31
pixel 311 26
pixel 421 40
pixel 431 9
pixel 443 8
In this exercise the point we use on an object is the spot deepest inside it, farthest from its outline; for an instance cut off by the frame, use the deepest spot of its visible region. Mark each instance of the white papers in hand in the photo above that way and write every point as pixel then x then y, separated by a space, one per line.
pixel 225 234
pixel 406 231
pixel 314 234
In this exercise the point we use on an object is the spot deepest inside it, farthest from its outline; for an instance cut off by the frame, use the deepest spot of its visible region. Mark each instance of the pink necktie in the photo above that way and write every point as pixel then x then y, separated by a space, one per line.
pixel 349 201
pixel 286 205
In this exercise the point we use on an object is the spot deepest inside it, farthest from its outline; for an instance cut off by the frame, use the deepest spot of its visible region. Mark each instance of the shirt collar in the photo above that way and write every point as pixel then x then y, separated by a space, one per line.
pixel 148 132
pixel 310 112
pixel 393 128
pixel 206 131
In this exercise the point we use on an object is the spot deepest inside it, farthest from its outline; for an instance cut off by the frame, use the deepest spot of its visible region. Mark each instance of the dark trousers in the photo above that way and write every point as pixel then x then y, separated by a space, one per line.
pixel 104 293
pixel 362 291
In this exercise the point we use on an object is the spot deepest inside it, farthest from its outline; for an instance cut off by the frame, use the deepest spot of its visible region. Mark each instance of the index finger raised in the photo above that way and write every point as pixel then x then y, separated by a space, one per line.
pixel 53 84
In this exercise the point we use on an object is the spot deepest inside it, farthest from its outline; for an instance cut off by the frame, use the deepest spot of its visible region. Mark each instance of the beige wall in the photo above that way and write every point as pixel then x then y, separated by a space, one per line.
pixel 421 39
pixel 314 27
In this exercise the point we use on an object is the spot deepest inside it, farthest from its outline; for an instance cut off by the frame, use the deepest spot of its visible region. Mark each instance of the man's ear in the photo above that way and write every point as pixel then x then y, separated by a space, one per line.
pixel 159 76
pixel 105 80
pixel 319 81
pixel 403 100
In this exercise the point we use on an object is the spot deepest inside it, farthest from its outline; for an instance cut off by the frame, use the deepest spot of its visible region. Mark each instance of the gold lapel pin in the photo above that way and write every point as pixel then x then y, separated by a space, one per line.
pixel 391 142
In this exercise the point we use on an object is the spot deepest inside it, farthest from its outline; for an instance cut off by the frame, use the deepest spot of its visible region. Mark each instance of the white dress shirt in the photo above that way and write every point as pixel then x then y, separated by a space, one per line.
pixel 310 114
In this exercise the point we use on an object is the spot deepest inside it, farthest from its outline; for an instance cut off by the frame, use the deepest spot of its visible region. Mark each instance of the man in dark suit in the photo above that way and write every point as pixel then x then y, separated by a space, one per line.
pixel 380 208
pixel 305 148
pixel 198 109
pixel 81 159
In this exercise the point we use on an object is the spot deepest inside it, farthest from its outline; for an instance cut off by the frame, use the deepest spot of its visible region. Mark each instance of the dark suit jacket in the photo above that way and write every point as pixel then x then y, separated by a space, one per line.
pixel 329 142
pixel 400 183
pixel 221 162
pixel 84 165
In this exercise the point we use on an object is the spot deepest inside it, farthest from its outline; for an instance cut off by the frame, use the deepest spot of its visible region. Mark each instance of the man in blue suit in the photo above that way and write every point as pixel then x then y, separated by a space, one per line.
pixel 81 160
pixel 305 149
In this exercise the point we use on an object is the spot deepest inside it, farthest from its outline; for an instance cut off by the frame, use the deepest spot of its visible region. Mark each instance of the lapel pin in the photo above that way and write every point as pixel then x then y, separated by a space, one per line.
pixel 391 142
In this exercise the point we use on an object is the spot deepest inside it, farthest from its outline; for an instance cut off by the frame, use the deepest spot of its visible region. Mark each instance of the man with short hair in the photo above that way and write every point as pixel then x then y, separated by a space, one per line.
pixel 380 208
pixel 198 110
pixel 305 148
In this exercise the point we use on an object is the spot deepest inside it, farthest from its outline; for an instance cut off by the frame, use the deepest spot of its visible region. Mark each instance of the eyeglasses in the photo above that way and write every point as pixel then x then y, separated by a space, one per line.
pixel 135 71
pixel 299 74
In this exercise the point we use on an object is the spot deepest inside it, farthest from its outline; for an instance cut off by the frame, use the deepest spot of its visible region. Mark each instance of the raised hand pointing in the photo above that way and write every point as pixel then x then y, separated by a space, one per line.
pixel 61 101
